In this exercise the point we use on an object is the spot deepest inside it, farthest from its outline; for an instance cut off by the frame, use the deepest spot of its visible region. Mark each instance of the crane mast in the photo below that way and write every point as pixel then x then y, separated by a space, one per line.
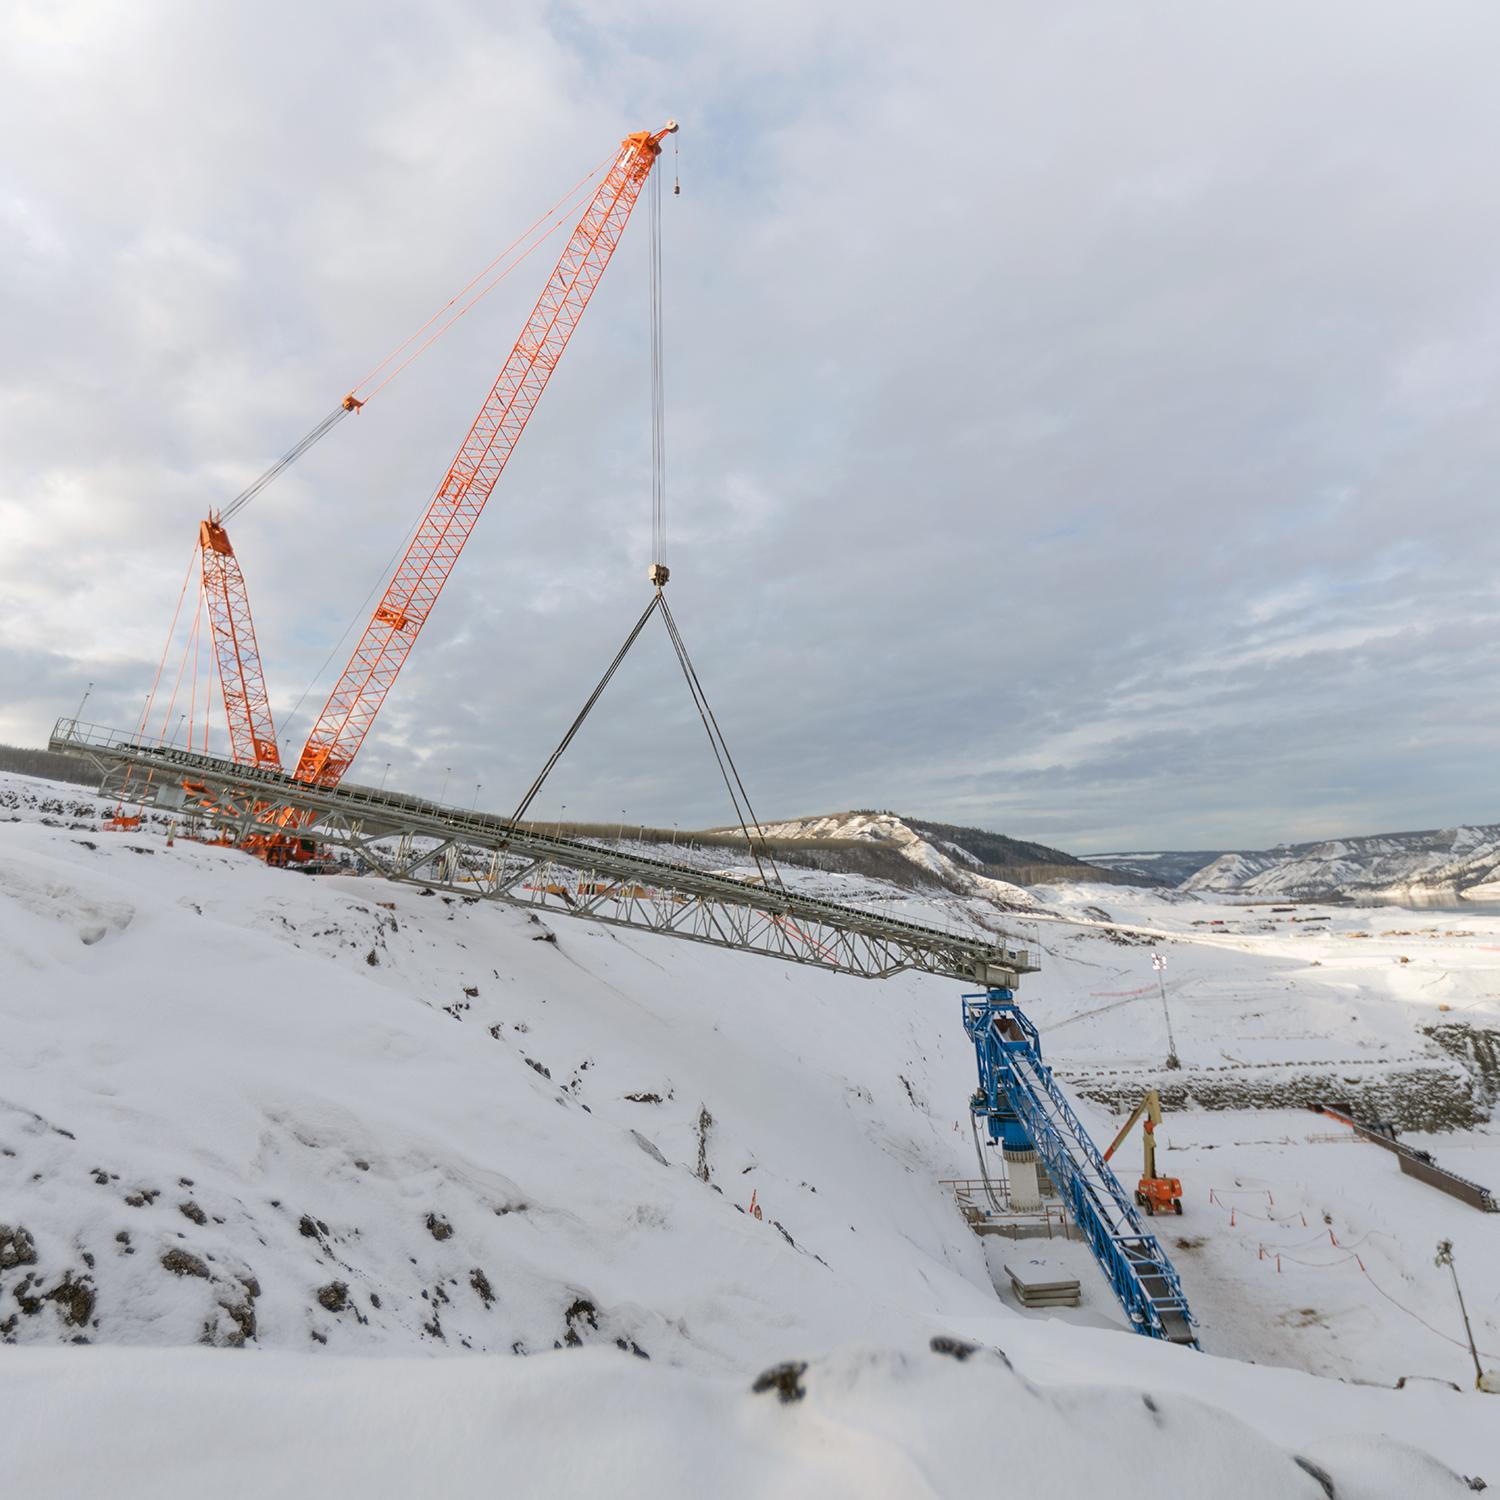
pixel 247 707
pixel 455 508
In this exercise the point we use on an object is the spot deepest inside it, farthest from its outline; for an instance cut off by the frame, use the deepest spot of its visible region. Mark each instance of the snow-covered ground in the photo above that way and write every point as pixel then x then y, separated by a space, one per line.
pixel 1345 993
pixel 325 1118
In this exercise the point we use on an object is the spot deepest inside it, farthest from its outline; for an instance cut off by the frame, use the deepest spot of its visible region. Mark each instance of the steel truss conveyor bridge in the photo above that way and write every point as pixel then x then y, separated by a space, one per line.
pixel 1026 1112
pixel 475 854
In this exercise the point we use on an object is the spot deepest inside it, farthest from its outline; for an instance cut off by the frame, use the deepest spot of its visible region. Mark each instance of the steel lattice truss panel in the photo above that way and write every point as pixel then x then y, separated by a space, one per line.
pixel 477 854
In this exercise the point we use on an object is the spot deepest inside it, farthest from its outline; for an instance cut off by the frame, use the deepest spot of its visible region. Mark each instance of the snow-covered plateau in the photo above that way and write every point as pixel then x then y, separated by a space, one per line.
pixel 328 1186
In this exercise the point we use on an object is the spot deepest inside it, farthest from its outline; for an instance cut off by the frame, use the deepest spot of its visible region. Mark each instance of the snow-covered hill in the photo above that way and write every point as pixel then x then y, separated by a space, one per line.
pixel 1390 865
pixel 949 863
pixel 1165 867
pixel 1396 866
pixel 959 858
pixel 323 1118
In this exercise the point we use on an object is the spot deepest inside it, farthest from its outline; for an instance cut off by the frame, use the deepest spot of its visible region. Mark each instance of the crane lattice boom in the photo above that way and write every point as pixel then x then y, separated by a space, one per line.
pixel 455 508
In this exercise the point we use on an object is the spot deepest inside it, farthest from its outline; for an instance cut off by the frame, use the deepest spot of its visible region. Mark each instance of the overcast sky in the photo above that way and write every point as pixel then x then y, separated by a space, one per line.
pixel 1081 418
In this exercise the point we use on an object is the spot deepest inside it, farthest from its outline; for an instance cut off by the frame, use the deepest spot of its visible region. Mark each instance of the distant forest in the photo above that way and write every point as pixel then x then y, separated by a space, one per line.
pixel 46 764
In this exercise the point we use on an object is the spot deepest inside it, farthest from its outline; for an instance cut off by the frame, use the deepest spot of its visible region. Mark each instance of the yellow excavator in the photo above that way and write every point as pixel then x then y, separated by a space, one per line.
pixel 1154 1194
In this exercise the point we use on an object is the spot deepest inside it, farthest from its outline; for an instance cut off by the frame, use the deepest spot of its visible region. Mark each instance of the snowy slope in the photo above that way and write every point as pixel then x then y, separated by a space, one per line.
pixel 873 1424
pixel 1395 866
pixel 308 1073
pixel 1166 867
pixel 1438 860
pixel 325 1116
pixel 955 866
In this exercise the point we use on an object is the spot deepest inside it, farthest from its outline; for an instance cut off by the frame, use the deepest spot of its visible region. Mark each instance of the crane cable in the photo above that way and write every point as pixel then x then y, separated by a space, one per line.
pixel 360 613
pixel 720 746
pixel 521 807
pixel 143 722
pixel 658 403
pixel 984 1171
pixel 559 214
pixel 285 462
pixel 733 783
pixel 562 213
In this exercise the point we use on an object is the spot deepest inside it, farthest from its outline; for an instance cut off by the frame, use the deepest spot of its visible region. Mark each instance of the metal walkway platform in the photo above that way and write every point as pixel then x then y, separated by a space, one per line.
pixel 477 854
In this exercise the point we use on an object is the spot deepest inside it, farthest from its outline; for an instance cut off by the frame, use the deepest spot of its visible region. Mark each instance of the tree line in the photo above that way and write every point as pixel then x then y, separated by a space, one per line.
pixel 47 764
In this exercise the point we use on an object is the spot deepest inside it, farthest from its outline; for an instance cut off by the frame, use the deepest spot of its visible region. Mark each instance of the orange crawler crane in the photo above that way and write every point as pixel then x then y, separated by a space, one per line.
pixel 1154 1194
pixel 450 517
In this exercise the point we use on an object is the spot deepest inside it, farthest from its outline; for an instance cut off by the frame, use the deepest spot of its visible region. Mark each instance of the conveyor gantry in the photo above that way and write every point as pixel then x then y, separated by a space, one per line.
pixel 1025 1111
pixel 477 854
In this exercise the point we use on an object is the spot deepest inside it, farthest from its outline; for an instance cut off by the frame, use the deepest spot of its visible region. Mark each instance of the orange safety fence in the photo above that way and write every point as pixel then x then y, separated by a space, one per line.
pixel 1277 1254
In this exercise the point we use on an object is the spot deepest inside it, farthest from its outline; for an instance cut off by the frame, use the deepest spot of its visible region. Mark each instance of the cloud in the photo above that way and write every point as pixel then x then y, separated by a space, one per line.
pixel 1078 418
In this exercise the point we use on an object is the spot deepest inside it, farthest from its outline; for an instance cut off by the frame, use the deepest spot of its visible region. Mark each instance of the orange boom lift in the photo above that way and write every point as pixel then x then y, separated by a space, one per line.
pixel 1157 1195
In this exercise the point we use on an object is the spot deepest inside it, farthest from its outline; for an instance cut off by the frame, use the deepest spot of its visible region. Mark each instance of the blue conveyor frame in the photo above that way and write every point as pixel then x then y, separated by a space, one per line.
pixel 1023 1108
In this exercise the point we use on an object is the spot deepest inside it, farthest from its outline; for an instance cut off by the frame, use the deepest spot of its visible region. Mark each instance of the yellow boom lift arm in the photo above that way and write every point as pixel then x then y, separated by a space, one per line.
pixel 1154 1194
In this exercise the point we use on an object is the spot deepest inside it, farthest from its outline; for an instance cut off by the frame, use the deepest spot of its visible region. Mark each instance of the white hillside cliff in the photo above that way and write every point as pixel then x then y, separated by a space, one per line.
pixel 948 862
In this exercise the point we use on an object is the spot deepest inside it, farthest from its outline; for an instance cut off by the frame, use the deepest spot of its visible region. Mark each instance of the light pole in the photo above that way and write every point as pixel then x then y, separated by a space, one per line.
pixel 620 835
pixel 1159 963
pixel 1444 1257
pixel 89 689
pixel 478 788
pixel 447 772
pixel 384 774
